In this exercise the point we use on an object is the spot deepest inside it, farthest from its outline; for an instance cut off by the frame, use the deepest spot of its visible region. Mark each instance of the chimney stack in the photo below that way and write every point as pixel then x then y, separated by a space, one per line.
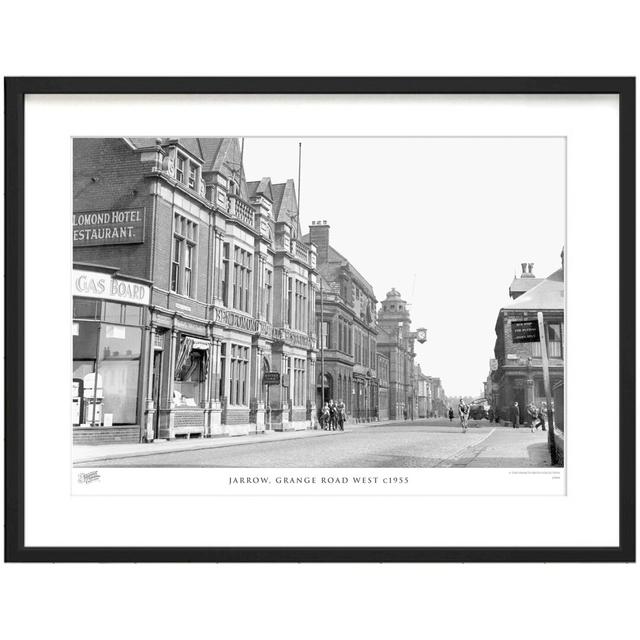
pixel 319 235
pixel 527 270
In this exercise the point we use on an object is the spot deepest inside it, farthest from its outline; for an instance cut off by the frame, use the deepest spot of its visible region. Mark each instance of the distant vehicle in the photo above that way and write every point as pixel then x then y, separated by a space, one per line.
pixel 479 409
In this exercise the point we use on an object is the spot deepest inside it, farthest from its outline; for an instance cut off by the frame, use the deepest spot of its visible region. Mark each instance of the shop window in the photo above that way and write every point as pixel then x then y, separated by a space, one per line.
pixel 85 309
pixel 190 374
pixel 298 381
pixel 85 341
pixel 119 368
pixel 112 312
pixel 238 369
pixel 132 314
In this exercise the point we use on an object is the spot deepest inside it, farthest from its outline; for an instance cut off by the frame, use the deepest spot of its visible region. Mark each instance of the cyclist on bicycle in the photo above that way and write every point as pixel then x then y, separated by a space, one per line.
pixel 463 413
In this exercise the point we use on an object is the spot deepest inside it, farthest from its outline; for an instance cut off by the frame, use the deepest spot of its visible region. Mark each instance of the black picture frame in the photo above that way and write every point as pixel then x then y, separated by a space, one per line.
pixel 15 91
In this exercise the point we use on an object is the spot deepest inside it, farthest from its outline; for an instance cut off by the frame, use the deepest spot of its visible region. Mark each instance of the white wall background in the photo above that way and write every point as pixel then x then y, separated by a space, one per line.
pixel 267 38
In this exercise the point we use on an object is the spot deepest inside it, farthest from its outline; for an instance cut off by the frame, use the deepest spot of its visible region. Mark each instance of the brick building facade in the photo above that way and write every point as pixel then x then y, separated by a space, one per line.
pixel 519 376
pixel 230 290
pixel 345 313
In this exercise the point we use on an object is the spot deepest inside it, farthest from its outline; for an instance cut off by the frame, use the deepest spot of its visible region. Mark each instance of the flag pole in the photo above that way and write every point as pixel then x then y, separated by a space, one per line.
pixel 321 346
pixel 299 178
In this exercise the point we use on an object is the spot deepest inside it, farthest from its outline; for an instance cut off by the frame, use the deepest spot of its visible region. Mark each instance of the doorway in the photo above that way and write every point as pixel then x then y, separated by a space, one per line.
pixel 519 397
pixel 156 384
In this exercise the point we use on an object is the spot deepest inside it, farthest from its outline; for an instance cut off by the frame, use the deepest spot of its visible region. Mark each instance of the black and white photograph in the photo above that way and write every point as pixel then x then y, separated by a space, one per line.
pixel 364 320
pixel 318 302
pixel 320 320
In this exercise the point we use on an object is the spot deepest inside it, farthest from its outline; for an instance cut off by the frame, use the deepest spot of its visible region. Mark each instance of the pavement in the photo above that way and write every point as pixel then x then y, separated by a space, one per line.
pixel 102 452
pixel 506 448
pixel 420 443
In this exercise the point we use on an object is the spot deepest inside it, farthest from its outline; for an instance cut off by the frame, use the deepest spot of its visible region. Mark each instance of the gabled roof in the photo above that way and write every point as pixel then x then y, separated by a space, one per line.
pixel 260 187
pixel 548 294
pixel 334 256
pixel 217 154
pixel 520 285
pixel 142 143
pixel 334 259
pixel 285 204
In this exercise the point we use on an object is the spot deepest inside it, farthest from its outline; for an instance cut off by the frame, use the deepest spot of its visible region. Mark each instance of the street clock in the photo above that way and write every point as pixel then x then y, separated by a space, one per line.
pixel 421 335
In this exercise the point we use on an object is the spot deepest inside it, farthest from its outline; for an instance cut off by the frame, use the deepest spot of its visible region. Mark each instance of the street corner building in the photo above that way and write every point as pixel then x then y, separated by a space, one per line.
pixel 189 285
pixel 518 365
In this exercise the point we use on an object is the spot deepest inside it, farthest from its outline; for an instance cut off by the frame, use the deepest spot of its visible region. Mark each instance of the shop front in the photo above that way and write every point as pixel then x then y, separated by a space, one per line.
pixel 179 392
pixel 109 313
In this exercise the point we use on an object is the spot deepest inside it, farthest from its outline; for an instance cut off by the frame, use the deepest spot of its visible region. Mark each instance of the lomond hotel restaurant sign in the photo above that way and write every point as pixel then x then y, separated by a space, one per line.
pixel 112 227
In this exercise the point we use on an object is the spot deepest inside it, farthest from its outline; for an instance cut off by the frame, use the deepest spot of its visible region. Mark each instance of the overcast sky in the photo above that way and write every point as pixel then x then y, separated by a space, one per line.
pixel 446 221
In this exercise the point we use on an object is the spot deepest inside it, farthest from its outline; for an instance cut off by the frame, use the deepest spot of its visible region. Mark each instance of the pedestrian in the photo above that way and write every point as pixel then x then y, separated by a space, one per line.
pixel 450 414
pixel 342 414
pixel 515 415
pixel 491 414
pixel 463 413
pixel 534 414
pixel 325 416
pixel 333 415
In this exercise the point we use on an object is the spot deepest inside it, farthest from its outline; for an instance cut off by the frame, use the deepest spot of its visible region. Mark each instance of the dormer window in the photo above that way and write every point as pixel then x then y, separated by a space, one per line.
pixel 193 176
pixel 180 165
pixel 187 171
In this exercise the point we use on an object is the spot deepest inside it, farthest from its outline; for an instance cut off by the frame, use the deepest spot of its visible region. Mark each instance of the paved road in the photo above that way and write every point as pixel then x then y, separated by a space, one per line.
pixel 426 443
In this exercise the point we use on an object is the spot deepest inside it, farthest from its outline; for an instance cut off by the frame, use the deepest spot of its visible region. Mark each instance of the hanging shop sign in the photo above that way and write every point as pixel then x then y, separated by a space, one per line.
pixel 93 284
pixel 525 331
pixel 122 226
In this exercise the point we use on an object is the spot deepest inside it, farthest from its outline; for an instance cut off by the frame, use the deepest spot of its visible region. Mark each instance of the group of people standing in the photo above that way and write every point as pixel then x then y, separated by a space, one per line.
pixel 332 416
pixel 537 416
